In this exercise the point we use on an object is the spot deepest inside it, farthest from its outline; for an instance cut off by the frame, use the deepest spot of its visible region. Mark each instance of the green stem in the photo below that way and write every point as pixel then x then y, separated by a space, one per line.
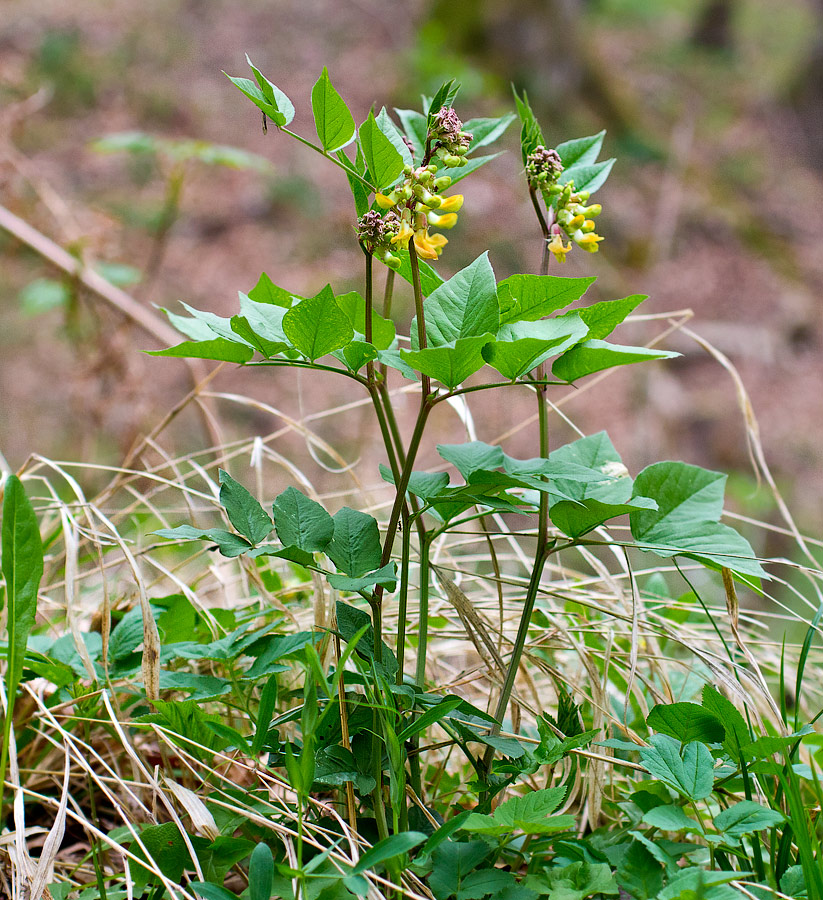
pixel 423 615
pixel 418 309
pixel 323 153
pixel 403 600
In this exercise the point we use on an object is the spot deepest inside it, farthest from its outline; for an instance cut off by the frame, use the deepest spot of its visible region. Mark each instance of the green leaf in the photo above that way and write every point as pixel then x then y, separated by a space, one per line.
pixel 243 510
pixel 266 291
pixel 167 849
pixel 526 298
pixel 219 349
pixel 444 97
pixel 389 848
pixel 265 96
pixel 530 814
pixel 691 775
pixel 385 576
pixel 384 161
pixel 452 863
pixel 746 817
pixel 22 563
pixel 241 327
pixel 482 882
pixel 385 124
pixel 472 456
pixel 317 326
pixel 209 891
pixel 487 131
pixel 332 119
pixel 43 295
pixel 473 164
pixel 425 485
pixel 736 730
pixel 451 366
pixel 360 192
pixel 302 522
pixel 351 622
pixel 603 317
pixel 575 881
pixel 690 503
pixel 638 873
pixel 261 873
pixel 229 544
pixel 522 346
pixel 595 356
pixel 354 306
pixel 432 715
pixel 415 129
pixel 588 178
pixel 687 722
pixel 581 151
pixel 464 306
pixel 531 135
pixel 265 711
pixel 671 818
pixel 355 548
pixel 582 516
pixel 200 687
pixel 265 318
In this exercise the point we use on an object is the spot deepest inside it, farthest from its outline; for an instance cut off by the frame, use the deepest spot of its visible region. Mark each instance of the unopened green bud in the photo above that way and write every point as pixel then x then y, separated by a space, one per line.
pixel 452 161
pixel 390 260
pixel 594 210
pixel 407 170
pixel 431 168
pixel 443 183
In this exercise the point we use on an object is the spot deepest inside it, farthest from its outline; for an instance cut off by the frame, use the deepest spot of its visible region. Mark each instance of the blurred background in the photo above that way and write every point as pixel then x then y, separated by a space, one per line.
pixel 714 110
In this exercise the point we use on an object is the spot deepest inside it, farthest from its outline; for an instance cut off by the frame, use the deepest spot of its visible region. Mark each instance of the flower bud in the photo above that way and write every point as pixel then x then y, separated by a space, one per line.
pixel 594 210
pixel 587 226
pixel 443 183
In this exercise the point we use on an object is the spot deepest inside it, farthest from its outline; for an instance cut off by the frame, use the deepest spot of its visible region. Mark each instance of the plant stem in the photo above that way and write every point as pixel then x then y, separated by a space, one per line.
pixel 403 600
pixel 423 615
pixel 330 158
pixel 418 309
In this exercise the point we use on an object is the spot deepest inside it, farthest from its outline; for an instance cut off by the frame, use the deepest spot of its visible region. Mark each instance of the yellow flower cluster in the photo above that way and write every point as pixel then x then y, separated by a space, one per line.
pixel 573 219
pixel 419 206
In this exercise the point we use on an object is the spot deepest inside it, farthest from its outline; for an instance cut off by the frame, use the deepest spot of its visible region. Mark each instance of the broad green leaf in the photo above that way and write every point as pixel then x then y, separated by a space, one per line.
pixel 746 817
pixel 302 522
pixel 464 306
pixel 595 356
pixel 495 882
pixel 355 548
pixel 429 279
pixel 360 191
pixel 229 544
pixel 690 502
pixel 639 873
pixel 522 346
pixel 219 349
pixel 584 515
pixel 415 129
pixel 487 131
pixel 603 317
pixel 199 687
pixel 530 814
pixel 694 882
pixel 317 326
pixel 385 124
pixel 332 119
pixel 385 576
pixel 266 291
pixel 526 298
pixel 243 329
pixel 687 722
pixel 265 96
pixel 265 318
pixel 473 456
pixel 167 849
pixel 243 510
pixel 354 306
pixel 194 329
pixel 209 891
pixel 425 485
pixel 356 354
pixel 336 765
pixel 588 178
pixel 293 554
pixel 690 774
pixel 265 711
pixel 575 881
pixel 736 730
pixel 768 744
pixel 351 622
pixel 384 162
pixel 671 818
pixel 452 863
pixel 473 164
pixel 219 325
pixel 389 848
pixel 451 366
pixel 22 563
pixel 581 151
pixel 261 873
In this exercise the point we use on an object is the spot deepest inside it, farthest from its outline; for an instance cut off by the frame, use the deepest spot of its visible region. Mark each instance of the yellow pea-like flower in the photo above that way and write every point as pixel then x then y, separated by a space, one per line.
pixel 451 204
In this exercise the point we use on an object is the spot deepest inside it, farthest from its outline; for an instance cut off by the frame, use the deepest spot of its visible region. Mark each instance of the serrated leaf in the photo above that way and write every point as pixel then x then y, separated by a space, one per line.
pixel 639 873
pixel 317 326
pixel 355 548
pixel 482 882
pixel 384 162
pixel 736 730
pixel 526 298
pixel 522 346
pixel 451 366
pixel 220 349
pixel 690 502
pixel 581 151
pixel 589 177
pixel 691 775
pixel 603 317
pixel 594 356
pixel 302 522
pixel 746 817
pixel 687 722
pixel 464 306
pixel 332 119
pixel 243 510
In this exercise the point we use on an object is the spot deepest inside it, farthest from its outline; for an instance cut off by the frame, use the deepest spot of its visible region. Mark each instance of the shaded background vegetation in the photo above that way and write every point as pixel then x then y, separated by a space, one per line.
pixel 713 109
